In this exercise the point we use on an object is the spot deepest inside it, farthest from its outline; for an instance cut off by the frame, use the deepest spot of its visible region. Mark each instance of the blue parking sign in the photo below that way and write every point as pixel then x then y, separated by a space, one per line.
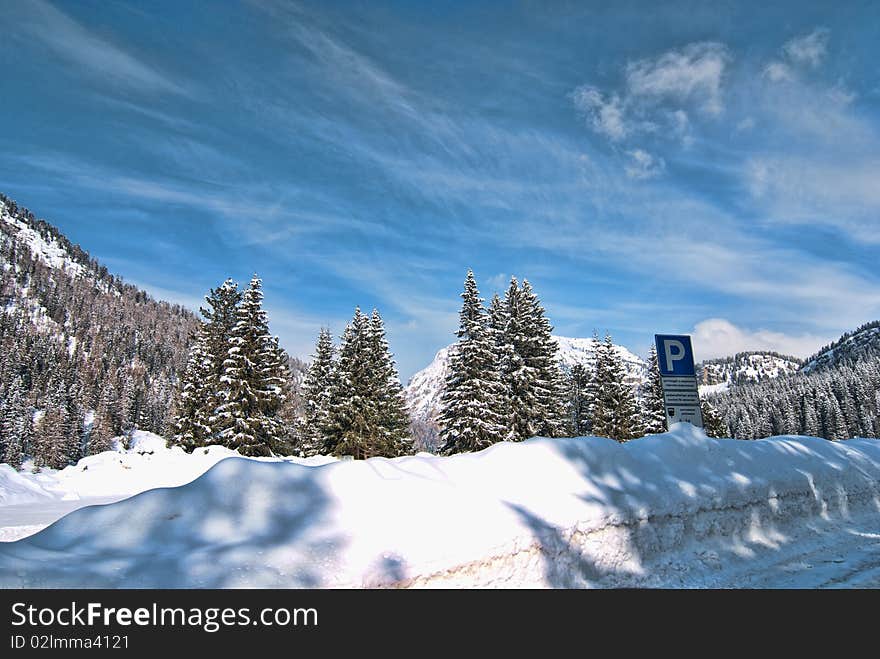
pixel 675 355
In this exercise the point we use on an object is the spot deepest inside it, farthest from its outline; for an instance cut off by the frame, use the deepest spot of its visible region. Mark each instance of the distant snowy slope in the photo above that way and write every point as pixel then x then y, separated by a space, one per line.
pixel 863 343
pixel 583 351
pixel 45 245
pixel 743 368
pixel 675 509
pixel 425 388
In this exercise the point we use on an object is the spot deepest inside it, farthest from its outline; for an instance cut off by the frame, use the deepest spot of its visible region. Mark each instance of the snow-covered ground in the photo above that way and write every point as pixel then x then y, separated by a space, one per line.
pixel 31 501
pixel 676 509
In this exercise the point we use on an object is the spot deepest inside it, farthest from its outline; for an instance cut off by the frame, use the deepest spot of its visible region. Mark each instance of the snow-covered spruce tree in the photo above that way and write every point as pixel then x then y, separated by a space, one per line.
pixel 517 375
pixel 352 426
pixel 199 392
pixel 580 400
pixel 367 416
pixel 252 381
pixel 541 354
pixel 101 434
pixel 318 392
pixel 50 441
pixel 615 413
pixel 391 415
pixel 221 316
pixel 713 424
pixel 196 395
pixel 653 412
pixel 504 355
pixel 14 424
pixel 472 402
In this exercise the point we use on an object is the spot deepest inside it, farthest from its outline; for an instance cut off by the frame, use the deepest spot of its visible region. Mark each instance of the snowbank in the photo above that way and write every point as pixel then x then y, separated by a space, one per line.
pixel 18 488
pixel 145 465
pixel 670 509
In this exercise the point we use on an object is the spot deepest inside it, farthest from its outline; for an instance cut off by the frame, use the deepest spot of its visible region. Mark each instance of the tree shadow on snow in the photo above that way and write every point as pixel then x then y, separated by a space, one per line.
pixel 242 524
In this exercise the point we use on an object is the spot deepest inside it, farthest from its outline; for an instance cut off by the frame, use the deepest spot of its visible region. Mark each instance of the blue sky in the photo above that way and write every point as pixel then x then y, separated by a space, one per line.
pixel 709 168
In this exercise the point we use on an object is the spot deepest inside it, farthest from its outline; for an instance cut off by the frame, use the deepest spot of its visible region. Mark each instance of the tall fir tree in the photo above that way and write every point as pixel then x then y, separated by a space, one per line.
pixel 351 426
pixel 194 405
pixel 367 417
pixel 615 413
pixel 473 399
pixel 252 381
pixel 14 424
pixel 517 375
pixel 391 415
pixel 713 424
pixel 50 441
pixel 580 400
pixel 221 317
pixel 504 356
pixel 653 412
pixel 318 393
pixel 541 354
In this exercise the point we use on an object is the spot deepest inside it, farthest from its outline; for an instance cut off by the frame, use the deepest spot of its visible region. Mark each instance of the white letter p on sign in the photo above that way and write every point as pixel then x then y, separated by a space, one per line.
pixel 669 344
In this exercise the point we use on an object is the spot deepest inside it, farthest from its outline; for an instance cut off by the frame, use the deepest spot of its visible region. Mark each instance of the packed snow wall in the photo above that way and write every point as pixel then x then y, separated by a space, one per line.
pixel 676 509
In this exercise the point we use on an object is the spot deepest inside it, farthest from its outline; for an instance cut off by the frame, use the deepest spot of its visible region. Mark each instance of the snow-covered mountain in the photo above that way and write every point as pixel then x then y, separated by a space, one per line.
pixel 425 387
pixel 862 343
pixel 745 367
pixel 72 334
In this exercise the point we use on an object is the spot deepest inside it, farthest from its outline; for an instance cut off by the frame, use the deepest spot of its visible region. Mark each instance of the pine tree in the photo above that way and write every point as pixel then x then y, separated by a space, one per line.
pixel 541 355
pixel 391 415
pixel 654 413
pixel 221 316
pixel 191 425
pixel 318 391
pixel 473 401
pixel 580 400
pixel 14 424
pixel 713 424
pixel 352 426
pixel 615 412
pixel 50 439
pixel 275 376
pixel 101 435
pixel 253 375
pixel 503 356
pixel 367 416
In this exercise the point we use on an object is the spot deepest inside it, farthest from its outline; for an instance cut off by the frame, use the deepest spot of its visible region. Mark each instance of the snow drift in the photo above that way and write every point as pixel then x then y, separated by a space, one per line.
pixel 145 465
pixel 666 510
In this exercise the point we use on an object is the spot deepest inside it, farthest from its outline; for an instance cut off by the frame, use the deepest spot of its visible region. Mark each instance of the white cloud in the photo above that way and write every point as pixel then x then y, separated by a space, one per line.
pixel 819 191
pixel 496 282
pixel 681 126
pixel 778 72
pixel 643 165
pixel 658 98
pixel 77 45
pixel 718 337
pixel 809 49
pixel 693 74
pixel 746 124
pixel 606 114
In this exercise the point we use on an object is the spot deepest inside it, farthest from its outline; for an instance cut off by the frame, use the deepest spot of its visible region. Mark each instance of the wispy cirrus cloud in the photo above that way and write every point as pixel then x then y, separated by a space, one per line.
pixel 803 52
pixel 809 49
pixel 643 165
pixel 90 53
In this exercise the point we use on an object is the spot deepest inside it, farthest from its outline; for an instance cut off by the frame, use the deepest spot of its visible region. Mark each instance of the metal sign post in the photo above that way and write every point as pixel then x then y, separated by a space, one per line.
pixel 681 397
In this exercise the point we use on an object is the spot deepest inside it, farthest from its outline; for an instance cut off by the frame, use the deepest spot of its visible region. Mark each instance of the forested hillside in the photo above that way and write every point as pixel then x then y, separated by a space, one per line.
pixel 83 355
